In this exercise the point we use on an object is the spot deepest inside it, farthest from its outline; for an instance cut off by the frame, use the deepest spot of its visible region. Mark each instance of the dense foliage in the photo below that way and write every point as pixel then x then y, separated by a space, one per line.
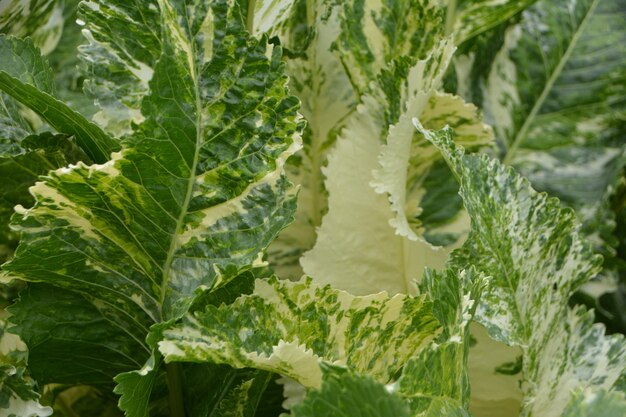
pixel 306 208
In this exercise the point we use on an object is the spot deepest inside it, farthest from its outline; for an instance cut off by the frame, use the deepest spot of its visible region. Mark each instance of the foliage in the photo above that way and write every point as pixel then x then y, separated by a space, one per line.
pixel 311 207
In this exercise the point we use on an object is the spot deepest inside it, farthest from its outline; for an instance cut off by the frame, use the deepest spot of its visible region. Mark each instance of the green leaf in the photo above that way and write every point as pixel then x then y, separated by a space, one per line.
pixel 435 382
pixel 555 96
pixel 375 33
pixel 65 63
pixel 21 162
pixel 42 21
pixel 191 201
pixel 596 404
pixel 292 328
pixel 27 77
pixel 520 237
pixel 348 394
pixel 468 18
pixel 135 389
pixel 47 318
pixel 18 396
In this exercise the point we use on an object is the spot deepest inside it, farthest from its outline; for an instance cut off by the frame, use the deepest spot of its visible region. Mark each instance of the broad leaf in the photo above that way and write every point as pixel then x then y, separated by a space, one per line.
pixel 375 32
pixel 27 77
pixel 435 382
pixel 468 18
pixel 193 198
pixel 348 394
pixel 592 404
pixel 520 237
pixel 375 179
pixel 41 20
pixel 318 78
pixel 18 395
pixel 292 328
pixel 554 94
pixel 119 68
pixel 20 164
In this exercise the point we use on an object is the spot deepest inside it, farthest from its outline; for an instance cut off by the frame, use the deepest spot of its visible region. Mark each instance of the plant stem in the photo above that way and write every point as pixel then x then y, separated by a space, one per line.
pixel 450 16
pixel 250 16
pixel 175 387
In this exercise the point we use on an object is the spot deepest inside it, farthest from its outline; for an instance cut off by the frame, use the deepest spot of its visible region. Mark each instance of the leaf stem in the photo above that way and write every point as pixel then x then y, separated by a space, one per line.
pixel 450 16
pixel 175 387
pixel 250 16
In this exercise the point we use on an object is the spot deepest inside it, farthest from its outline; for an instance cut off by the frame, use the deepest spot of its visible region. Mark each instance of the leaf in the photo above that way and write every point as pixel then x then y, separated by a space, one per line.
pixel 374 179
pixel 406 160
pixel 520 237
pixel 117 68
pixel 350 394
pixel 587 404
pixel 65 63
pixel 135 388
pixel 42 21
pixel 373 33
pixel 292 328
pixel 555 97
pixel 318 78
pixel 191 201
pixel 268 16
pixel 18 396
pixel 472 17
pixel 102 345
pixel 20 164
pixel 435 382
pixel 26 76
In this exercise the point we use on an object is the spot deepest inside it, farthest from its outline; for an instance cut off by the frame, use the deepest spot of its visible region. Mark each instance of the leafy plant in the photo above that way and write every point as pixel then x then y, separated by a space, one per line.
pixel 389 151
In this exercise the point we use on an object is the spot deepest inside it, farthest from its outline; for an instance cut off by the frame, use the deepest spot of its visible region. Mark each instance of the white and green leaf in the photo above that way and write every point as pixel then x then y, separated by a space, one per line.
pixel 18 395
pixel 374 180
pixel 26 76
pixel 292 328
pixel 520 237
pixel 554 94
pixel 376 32
pixel 42 21
pixel 21 161
pixel 192 200
pixel 318 78
pixel 468 18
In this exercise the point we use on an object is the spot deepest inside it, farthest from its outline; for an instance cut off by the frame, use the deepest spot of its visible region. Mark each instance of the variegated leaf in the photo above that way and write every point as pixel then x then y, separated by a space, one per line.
pixel 293 328
pixel 42 21
pixel 18 396
pixel 367 181
pixel 555 94
pixel 21 161
pixel 468 18
pixel 26 76
pixel 435 382
pixel 375 32
pixel 318 78
pixel 532 249
pixel 192 199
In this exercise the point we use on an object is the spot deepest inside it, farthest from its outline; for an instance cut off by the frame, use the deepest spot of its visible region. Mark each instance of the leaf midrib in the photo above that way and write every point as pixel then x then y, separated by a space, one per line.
pixel 521 134
pixel 180 222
